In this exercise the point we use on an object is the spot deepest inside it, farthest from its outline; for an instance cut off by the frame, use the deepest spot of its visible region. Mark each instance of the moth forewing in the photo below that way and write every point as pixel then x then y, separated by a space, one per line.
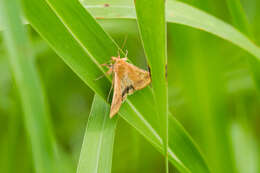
pixel 140 78
pixel 127 78
pixel 116 101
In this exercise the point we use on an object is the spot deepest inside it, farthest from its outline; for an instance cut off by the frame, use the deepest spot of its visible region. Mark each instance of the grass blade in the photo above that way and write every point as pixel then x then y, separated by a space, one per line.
pixel 78 40
pixel 153 33
pixel 203 84
pixel 243 140
pixel 239 17
pixel 97 148
pixel 245 149
pixel 181 13
pixel 240 21
pixel 33 102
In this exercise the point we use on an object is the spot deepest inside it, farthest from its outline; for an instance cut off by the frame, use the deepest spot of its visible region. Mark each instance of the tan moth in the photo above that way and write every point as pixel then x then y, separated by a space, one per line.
pixel 127 79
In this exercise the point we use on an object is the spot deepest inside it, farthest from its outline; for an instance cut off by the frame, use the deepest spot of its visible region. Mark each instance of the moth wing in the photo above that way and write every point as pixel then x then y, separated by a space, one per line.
pixel 127 79
pixel 140 78
pixel 127 86
pixel 117 96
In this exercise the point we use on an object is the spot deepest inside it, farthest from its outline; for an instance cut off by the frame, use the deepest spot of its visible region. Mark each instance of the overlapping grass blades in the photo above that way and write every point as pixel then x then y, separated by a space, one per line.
pixel 153 33
pixel 83 45
pixel 97 148
pixel 30 90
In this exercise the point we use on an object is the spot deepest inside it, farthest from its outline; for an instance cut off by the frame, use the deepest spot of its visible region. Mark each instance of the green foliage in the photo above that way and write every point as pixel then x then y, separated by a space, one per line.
pixel 30 90
pixel 97 147
pixel 85 60
pixel 209 89
pixel 153 33
pixel 178 12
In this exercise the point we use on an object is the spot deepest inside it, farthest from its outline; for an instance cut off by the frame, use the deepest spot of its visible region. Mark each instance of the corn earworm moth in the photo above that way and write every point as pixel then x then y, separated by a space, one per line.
pixel 127 79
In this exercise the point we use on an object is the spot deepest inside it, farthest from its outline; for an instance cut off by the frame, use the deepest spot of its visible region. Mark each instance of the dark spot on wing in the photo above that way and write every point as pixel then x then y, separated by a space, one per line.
pixel 149 70
pixel 106 5
pixel 126 90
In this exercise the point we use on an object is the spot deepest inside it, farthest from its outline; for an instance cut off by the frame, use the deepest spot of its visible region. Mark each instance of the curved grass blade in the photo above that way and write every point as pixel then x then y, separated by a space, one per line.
pixel 153 33
pixel 181 13
pixel 83 45
pixel 240 134
pixel 26 77
pixel 240 21
pixel 239 17
pixel 97 148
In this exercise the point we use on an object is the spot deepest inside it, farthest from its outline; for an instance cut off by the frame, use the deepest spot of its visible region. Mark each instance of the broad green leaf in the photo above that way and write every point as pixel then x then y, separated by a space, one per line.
pixel 30 90
pixel 153 33
pixel 97 148
pixel 181 13
pixel 83 45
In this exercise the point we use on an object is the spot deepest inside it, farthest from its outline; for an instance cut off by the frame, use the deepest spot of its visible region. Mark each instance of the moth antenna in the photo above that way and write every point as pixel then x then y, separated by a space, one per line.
pixel 124 43
pixel 126 53
pixel 100 77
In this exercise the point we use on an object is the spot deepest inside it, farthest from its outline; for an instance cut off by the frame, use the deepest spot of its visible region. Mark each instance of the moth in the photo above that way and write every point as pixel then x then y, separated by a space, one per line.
pixel 127 79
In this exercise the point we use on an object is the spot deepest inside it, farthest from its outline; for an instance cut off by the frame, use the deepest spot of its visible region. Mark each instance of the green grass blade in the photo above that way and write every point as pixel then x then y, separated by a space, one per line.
pixel 33 102
pixel 2 25
pixel 245 149
pixel 97 148
pixel 181 13
pixel 153 33
pixel 239 17
pixel 78 40
pixel 244 141
pixel 203 86
pixel 240 21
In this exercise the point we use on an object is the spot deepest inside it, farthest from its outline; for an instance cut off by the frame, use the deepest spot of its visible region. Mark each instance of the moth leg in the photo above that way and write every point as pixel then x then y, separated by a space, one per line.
pixel 109 72
pixel 107 65
pixel 110 69
pixel 99 77
pixel 110 90
pixel 118 53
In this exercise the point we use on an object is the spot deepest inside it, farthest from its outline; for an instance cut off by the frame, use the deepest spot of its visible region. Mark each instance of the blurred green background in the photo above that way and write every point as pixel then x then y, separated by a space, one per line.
pixel 210 88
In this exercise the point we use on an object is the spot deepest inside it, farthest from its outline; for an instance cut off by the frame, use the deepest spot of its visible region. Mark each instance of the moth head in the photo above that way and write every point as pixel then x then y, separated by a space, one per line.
pixel 116 59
